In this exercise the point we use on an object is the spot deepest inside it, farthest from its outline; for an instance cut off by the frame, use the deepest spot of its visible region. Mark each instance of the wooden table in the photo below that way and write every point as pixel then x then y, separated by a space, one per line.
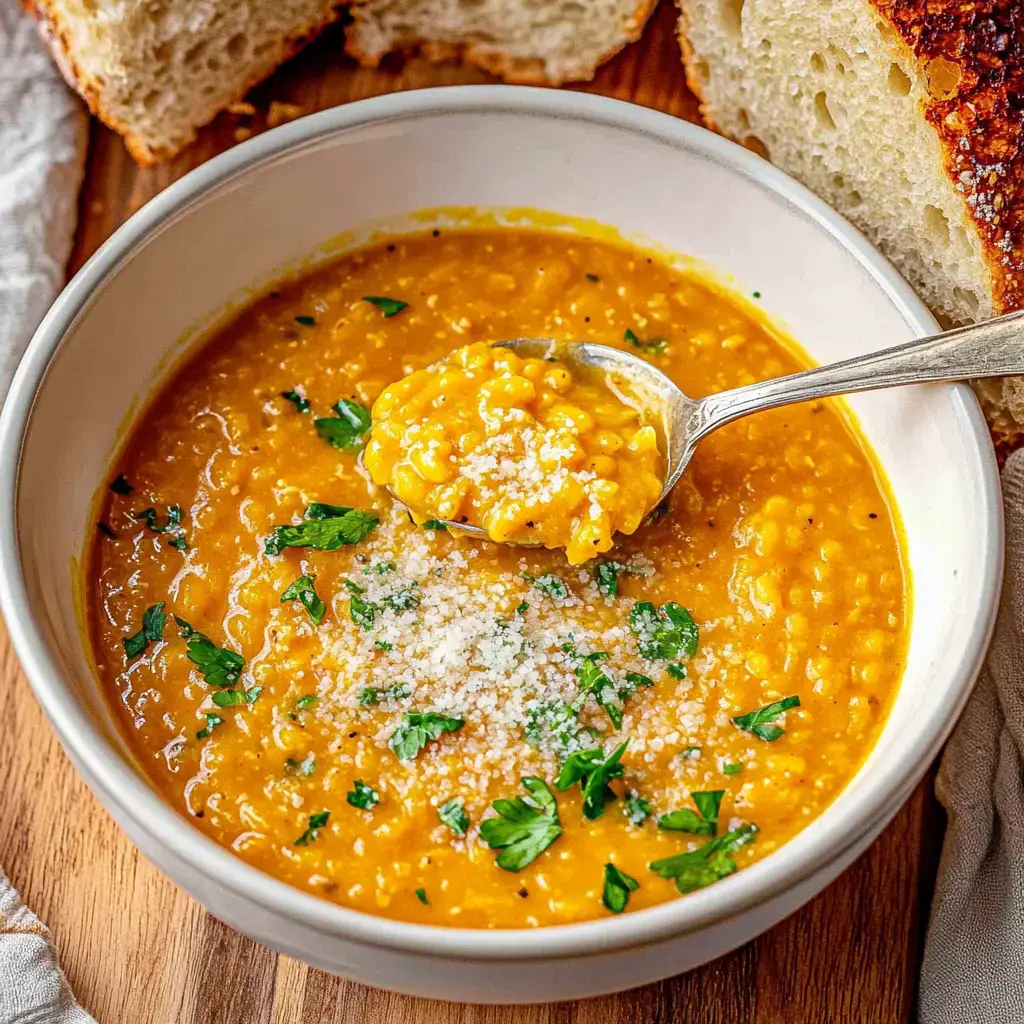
pixel 137 950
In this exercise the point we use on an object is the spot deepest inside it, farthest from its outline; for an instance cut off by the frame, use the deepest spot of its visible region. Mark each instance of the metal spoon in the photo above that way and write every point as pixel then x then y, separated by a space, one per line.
pixel 993 348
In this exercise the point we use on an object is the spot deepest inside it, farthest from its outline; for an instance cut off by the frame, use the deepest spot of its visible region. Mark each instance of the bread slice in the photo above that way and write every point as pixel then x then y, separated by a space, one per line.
pixel 157 71
pixel 526 41
pixel 905 115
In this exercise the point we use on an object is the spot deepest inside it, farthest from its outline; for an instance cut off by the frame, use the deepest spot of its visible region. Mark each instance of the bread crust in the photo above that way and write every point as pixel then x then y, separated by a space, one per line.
pixel 55 37
pixel 516 70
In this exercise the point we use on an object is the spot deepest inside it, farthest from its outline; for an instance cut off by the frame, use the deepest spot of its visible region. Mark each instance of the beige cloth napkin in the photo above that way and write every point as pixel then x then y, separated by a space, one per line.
pixel 42 149
pixel 973 971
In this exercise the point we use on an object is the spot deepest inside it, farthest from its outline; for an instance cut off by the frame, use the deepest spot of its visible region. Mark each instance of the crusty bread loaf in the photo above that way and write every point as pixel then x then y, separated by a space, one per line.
pixel 525 41
pixel 905 115
pixel 157 71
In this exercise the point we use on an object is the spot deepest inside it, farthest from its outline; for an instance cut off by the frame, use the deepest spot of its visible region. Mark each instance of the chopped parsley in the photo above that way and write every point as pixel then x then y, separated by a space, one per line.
pixel 653 346
pixel 152 631
pixel 302 590
pixel 218 666
pixel 698 868
pixel 677 671
pixel 596 683
pixel 307 766
pixel 525 826
pixel 665 634
pixel 229 698
pixel 434 524
pixel 389 307
pixel 759 722
pixel 306 321
pixel 593 771
pixel 732 768
pixel 454 815
pixel 606 576
pixel 326 528
pixel 362 796
pixel 418 729
pixel 347 429
pixel 120 485
pixel 362 612
pixel 383 645
pixel 300 401
pixel 306 701
pixel 316 822
pixel 370 696
pixel 212 721
pixel 554 723
pixel 636 808
pixel 617 887
pixel 551 585
pixel 702 822
pixel 172 527
pixel 421 895
pixel 522 607
pixel 690 753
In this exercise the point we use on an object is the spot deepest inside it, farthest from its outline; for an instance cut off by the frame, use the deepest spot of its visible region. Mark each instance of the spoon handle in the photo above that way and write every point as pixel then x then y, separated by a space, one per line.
pixel 993 348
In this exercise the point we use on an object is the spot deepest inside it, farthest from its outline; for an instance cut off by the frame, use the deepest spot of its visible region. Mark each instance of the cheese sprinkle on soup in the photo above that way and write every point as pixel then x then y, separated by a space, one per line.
pixel 419 725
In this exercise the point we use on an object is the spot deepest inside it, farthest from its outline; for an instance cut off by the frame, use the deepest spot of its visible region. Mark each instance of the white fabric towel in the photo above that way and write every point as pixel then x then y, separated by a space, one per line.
pixel 42 150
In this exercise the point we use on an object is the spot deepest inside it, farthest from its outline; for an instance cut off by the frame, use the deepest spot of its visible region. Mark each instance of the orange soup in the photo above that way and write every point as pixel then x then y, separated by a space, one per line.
pixel 419 725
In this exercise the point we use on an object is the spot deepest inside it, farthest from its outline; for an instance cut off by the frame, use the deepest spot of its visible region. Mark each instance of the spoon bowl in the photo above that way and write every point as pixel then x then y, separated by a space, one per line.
pixel 993 348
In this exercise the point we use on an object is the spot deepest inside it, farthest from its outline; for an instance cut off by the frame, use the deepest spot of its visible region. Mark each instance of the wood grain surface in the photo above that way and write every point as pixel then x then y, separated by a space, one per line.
pixel 137 950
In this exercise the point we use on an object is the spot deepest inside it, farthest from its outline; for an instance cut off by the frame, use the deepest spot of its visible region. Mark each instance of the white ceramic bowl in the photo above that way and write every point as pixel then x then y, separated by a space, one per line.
pixel 246 216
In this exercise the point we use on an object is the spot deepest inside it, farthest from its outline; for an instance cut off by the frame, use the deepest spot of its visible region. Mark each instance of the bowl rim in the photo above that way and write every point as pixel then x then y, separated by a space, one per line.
pixel 118 785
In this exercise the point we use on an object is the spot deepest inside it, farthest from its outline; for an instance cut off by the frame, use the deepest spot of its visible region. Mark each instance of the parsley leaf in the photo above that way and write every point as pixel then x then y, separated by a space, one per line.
pixel 316 822
pixel 606 576
pixel 702 822
pixel 552 585
pixel 151 518
pixel 307 766
pixel 362 612
pixel 389 307
pixel 434 524
pixel 347 428
pixel 732 768
pixel 219 666
pixel 370 696
pixel 757 721
pixel 654 346
pixel 454 815
pixel 326 528
pixel 525 827
pixel 593 771
pixel 554 723
pixel 306 701
pixel 229 698
pixel 617 887
pixel 300 401
pixel 153 619
pixel 636 808
pixel 690 753
pixel 663 635
pixel 595 682
pixel 421 895
pixel 362 796
pixel 302 590
pixel 418 729
pixel 697 868
pixel 120 485
pixel 212 721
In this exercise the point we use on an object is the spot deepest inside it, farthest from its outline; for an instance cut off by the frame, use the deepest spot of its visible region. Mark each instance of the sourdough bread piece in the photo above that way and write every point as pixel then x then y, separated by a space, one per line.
pixel 905 115
pixel 525 41
pixel 156 71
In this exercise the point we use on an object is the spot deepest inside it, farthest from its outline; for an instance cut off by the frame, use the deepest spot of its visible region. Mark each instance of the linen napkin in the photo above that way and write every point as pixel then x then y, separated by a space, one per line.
pixel 42 149
pixel 973 970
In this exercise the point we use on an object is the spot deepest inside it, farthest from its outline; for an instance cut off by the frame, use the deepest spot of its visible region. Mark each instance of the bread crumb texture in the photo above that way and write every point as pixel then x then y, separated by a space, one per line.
pixel 906 117
pixel 157 71
pixel 519 40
